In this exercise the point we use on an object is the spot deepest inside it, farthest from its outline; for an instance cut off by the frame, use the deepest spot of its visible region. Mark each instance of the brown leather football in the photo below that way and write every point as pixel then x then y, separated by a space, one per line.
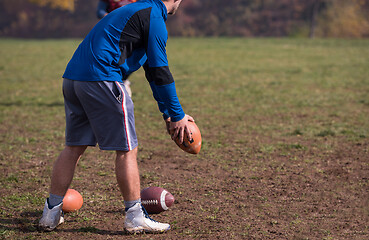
pixel 192 146
pixel 156 199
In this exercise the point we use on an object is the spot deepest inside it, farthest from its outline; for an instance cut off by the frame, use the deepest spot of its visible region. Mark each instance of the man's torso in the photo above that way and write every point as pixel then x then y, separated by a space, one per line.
pixel 119 44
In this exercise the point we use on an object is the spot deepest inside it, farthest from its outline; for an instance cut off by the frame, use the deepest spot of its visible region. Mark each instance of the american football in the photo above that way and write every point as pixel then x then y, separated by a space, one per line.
pixel 194 145
pixel 156 199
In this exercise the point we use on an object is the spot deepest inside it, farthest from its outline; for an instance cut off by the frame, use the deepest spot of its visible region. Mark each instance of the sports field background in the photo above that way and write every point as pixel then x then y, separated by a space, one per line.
pixel 285 155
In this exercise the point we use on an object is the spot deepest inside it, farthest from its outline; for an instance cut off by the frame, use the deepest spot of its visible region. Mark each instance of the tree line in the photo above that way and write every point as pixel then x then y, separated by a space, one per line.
pixel 250 18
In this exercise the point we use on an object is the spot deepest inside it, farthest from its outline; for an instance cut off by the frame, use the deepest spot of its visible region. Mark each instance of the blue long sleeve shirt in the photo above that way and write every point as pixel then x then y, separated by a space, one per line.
pixel 122 42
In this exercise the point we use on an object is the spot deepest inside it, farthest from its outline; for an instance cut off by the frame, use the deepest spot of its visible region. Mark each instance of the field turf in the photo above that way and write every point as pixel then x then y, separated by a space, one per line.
pixel 285 154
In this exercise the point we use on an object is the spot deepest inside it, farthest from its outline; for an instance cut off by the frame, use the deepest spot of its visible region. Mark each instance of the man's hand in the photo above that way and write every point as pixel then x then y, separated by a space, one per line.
pixel 179 129
pixel 167 123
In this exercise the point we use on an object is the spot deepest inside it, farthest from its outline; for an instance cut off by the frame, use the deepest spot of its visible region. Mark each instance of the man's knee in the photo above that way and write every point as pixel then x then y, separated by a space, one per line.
pixel 76 150
pixel 132 152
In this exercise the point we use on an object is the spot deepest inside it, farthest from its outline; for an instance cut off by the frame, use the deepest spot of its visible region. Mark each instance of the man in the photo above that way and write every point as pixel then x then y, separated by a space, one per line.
pixel 103 8
pixel 99 110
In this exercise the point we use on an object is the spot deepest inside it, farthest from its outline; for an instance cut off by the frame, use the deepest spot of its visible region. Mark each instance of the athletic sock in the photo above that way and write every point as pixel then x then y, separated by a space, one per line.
pixel 129 204
pixel 54 200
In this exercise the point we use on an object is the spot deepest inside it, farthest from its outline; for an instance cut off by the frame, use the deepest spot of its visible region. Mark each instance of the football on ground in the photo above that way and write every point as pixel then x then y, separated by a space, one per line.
pixel 192 146
pixel 156 199
pixel 72 201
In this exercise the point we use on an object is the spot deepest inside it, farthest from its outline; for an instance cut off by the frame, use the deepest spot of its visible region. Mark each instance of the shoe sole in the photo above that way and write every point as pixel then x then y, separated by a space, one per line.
pixel 45 229
pixel 140 231
pixel 49 229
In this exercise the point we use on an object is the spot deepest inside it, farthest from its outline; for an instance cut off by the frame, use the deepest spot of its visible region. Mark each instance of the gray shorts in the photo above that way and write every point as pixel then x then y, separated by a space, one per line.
pixel 99 112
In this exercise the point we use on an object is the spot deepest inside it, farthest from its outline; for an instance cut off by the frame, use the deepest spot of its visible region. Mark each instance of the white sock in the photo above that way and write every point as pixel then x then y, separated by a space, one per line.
pixel 129 204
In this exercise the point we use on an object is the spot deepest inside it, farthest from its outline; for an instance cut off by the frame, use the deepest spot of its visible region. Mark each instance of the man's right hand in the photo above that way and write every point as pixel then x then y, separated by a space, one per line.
pixel 179 129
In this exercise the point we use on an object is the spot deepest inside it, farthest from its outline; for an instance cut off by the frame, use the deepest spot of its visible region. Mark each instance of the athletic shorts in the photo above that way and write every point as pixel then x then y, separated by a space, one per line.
pixel 99 113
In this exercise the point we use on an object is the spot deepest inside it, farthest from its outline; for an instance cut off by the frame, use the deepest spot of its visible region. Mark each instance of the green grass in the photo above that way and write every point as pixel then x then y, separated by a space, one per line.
pixel 263 105
pixel 319 87
pixel 314 86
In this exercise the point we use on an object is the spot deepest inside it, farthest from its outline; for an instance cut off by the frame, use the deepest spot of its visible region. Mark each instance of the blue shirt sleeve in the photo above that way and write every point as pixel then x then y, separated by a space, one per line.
pixel 168 95
pixel 158 74
pixel 156 43
pixel 161 104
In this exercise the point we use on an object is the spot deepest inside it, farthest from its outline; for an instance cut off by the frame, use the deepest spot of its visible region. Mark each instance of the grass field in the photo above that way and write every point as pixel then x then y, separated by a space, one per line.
pixel 285 154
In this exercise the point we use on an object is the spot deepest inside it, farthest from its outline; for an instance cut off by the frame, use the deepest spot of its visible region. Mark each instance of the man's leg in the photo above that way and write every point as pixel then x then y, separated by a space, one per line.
pixel 63 169
pixel 137 220
pixel 127 174
pixel 62 176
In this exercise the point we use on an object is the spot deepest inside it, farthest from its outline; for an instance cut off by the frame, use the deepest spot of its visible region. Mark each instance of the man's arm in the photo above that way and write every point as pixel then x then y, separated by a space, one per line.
pixel 163 109
pixel 158 73
pixel 162 82
pixel 164 91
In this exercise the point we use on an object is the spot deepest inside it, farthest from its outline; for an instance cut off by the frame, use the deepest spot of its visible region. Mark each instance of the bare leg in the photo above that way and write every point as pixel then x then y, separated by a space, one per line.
pixel 63 169
pixel 129 183
pixel 127 174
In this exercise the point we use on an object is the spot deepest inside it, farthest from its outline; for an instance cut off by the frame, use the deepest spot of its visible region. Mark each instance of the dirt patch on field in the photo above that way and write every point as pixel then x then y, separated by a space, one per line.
pixel 257 188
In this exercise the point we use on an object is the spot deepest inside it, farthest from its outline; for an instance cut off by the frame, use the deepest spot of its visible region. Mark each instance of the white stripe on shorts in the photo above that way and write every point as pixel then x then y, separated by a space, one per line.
pixel 126 125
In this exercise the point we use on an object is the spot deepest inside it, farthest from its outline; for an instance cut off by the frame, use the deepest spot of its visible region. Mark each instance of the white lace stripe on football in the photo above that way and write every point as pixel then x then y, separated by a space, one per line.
pixel 162 200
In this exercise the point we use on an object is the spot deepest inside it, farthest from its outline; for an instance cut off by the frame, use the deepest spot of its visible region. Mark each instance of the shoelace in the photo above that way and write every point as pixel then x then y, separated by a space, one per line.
pixel 146 214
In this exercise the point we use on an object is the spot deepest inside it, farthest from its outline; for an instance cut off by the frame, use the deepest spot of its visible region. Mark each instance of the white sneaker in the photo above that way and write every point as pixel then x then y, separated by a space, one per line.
pixel 138 221
pixel 51 218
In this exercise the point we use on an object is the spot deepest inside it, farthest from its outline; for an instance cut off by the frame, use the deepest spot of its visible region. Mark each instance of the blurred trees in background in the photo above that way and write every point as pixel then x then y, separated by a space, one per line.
pixel 320 18
pixel 260 18
pixel 47 18
pixel 345 18
pixel 62 4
